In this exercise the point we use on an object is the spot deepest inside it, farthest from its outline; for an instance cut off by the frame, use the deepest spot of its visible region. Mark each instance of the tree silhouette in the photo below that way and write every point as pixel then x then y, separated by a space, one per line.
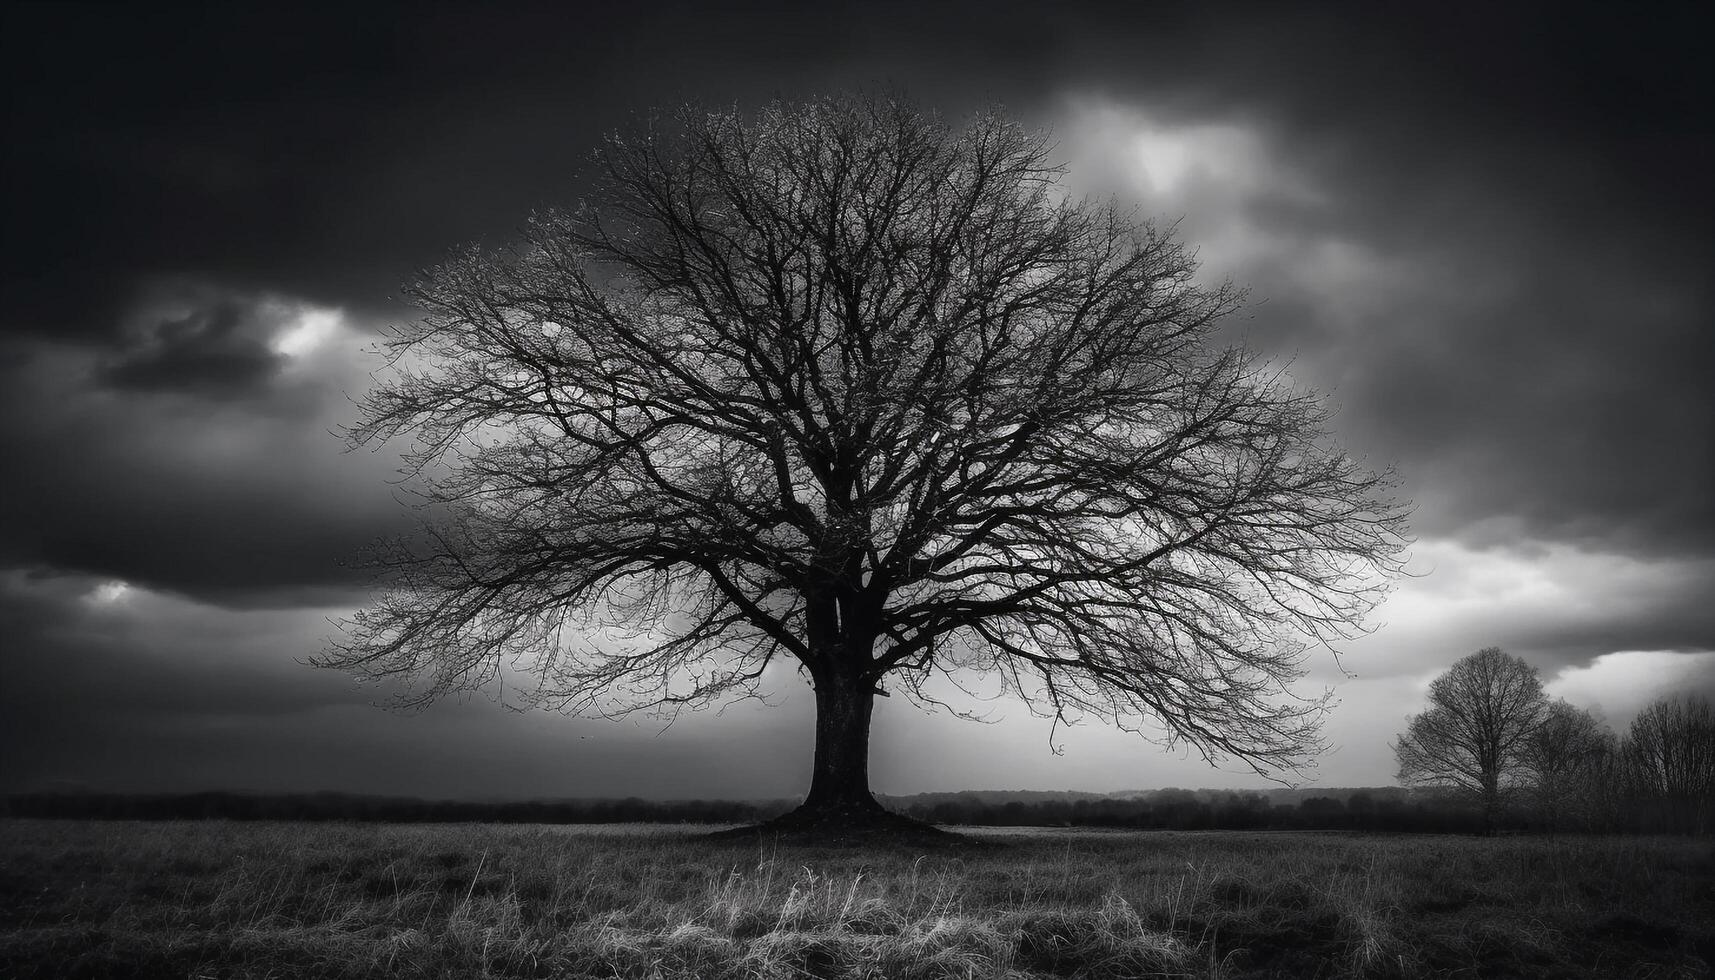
pixel 1474 737
pixel 1669 755
pixel 1564 755
pixel 840 385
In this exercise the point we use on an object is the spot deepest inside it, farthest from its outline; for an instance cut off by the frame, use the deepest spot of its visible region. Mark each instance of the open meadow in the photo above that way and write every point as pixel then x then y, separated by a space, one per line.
pixel 227 899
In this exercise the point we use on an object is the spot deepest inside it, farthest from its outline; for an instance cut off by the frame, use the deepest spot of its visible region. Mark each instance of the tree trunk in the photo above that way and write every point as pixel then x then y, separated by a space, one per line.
pixel 840 810
pixel 1491 803
pixel 839 784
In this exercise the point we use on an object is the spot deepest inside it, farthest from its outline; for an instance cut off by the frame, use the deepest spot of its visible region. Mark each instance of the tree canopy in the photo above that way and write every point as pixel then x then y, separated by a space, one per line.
pixel 842 385
pixel 1476 736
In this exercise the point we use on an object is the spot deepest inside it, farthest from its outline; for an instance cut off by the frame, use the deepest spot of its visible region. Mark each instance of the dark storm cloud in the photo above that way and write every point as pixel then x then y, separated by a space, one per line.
pixel 327 152
pixel 1539 372
pixel 1543 373
pixel 207 351
pixel 1532 386
pixel 319 155
pixel 1531 182
pixel 132 471
pixel 330 151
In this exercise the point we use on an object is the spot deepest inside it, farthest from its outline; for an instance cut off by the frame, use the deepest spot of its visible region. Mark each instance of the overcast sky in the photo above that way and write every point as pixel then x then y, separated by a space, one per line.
pixel 1487 234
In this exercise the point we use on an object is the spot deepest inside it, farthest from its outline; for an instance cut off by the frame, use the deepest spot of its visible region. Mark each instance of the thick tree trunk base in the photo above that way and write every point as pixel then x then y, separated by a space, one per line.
pixel 849 825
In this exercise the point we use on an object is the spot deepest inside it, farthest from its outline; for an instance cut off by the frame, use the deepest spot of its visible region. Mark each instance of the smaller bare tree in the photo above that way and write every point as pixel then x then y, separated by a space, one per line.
pixel 1473 737
pixel 1564 756
pixel 1670 758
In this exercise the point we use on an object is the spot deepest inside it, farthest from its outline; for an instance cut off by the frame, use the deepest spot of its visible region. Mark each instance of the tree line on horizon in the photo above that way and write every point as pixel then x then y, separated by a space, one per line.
pixel 1384 809
pixel 1370 808
pixel 1492 742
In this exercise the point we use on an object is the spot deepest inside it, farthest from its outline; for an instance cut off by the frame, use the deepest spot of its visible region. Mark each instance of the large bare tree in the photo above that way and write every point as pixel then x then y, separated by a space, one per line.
pixel 841 385
pixel 1475 736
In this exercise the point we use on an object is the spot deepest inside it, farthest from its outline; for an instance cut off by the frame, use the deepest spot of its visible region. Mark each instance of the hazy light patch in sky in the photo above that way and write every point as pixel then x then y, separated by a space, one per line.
pixel 307 329
pixel 108 593
pixel 1621 684
pixel 1167 157
pixel 1208 177
pixel 1161 156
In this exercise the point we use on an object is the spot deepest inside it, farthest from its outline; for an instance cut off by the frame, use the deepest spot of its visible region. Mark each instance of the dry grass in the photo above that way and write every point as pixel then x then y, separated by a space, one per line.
pixel 305 900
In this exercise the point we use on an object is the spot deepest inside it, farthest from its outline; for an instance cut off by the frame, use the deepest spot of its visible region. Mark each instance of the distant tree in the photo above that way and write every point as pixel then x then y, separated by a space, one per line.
pixel 1322 811
pixel 1361 806
pixel 840 385
pixel 1563 757
pixel 1474 736
pixel 1238 810
pixel 1669 755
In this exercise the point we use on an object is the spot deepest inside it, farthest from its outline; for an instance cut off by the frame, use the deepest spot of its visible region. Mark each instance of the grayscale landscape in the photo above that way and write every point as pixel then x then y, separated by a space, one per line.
pixel 857 490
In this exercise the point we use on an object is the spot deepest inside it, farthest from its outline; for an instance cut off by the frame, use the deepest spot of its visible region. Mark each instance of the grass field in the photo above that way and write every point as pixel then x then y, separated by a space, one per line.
pixel 341 900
